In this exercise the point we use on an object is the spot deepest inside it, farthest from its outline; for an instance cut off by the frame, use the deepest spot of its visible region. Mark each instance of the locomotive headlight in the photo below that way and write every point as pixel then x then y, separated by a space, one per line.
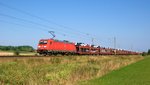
pixel 39 46
pixel 45 46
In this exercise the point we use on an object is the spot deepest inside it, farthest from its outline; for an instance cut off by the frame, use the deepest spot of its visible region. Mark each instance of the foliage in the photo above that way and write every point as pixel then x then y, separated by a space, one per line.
pixel 17 48
pixel 16 53
pixel 144 54
pixel 148 52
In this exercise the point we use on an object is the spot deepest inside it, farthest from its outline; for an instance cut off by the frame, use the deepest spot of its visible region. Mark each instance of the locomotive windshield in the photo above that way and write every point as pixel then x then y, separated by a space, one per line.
pixel 43 42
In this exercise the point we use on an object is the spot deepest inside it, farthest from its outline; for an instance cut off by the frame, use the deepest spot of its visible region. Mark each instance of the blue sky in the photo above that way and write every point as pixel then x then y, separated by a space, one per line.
pixel 77 21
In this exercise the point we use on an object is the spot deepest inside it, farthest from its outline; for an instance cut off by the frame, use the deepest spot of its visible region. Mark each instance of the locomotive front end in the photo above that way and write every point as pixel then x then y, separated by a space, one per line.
pixel 42 47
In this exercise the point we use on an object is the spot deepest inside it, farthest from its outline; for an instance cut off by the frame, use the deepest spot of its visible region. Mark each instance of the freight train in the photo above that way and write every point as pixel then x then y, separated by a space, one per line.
pixel 53 47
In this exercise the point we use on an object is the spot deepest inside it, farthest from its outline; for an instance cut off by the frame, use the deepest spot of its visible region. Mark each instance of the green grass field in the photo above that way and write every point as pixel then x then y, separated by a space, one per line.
pixel 134 74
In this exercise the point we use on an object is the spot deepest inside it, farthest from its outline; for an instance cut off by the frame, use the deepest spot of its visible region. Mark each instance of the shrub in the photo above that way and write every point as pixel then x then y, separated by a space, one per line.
pixel 148 52
pixel 144 54
pixel 16 53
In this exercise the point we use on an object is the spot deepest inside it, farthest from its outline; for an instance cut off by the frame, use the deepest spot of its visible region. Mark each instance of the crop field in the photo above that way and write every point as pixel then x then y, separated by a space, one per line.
pixel 67 70
pixel 134 74
pixel 6 53
pixel 11 53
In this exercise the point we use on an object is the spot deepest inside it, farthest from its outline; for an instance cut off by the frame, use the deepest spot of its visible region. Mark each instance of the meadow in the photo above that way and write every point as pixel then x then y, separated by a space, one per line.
pixel 134 74
pixel 66 70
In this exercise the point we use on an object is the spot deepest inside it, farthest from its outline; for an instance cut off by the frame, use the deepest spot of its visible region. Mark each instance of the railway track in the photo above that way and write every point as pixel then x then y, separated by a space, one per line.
pixel 29 56
pixel 51 56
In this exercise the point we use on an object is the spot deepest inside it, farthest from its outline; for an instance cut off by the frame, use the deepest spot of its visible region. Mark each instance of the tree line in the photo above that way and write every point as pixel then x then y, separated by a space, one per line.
pixel 146 53
pixel 17 48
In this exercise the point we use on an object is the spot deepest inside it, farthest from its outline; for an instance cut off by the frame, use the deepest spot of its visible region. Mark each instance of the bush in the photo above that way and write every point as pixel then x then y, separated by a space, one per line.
pixel 144 54
pixel 148 52
pixel 16 53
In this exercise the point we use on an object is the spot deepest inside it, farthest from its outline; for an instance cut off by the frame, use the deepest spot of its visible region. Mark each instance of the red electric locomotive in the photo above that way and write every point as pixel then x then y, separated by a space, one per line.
pixel 51 46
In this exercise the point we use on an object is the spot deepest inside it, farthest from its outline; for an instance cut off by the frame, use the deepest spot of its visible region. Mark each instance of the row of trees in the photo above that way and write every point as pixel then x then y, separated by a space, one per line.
pixel 146 53
pixel 17 48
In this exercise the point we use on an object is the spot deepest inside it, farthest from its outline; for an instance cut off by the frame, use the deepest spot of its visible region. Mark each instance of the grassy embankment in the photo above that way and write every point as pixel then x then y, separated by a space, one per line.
pixel 134 74
pixel 59 71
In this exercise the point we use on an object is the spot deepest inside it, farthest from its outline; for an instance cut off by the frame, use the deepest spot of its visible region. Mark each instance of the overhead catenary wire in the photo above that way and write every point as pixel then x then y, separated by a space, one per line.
pixel 35 23
pixel 43 19
pixel 21 25
pixel 24 26
pixel 74 31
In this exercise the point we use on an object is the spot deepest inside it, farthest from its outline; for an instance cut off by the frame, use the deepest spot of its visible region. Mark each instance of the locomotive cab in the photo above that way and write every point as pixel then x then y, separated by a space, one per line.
pixel 43 46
